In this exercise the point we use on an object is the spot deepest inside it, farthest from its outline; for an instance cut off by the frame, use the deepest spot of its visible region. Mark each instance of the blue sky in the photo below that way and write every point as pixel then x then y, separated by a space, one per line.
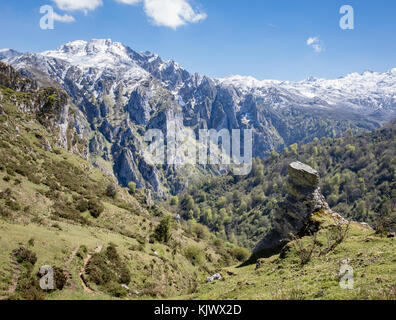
pixel 266 39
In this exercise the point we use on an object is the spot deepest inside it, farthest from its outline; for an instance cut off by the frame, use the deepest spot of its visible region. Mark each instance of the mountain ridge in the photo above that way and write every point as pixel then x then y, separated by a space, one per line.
pixel 118 49
pixel 119 94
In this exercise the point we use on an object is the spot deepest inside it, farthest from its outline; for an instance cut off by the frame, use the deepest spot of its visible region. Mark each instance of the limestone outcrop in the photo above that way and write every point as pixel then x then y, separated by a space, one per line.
pixel 303 199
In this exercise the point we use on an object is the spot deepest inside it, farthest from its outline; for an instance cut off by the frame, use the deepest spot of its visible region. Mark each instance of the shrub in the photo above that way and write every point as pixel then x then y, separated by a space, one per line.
pixel 241 254
pixel 162 232
pixel 105 268
pixel 111 191
pixel 5 213
pixel 82 205
pixel 116 290
pixel 13 205
pixel 112 254
pixel 24 255
pixel 95 208
pixel 132 187
pixel 124 275
pixel 385 224
pixel 194 254
pixel 200 231
pixel 31 242
pixel 66 210
pixel 28 289
pixel 335 235
pixel 174 201
pixel 304 252
pixel 97 270
pixel 82 252
pixel 218 242
pixel 60 278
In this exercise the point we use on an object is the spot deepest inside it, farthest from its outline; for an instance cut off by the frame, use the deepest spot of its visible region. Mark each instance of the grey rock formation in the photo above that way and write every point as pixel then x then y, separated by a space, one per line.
pixel 304 198
pixel 215 277
pixel 51 107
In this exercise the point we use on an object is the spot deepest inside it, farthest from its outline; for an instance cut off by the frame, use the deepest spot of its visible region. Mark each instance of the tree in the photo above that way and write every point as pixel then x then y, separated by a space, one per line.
pixel 163 231
pixel 241 254
pixel 236 197
pixel 111 191
pixel 187 203
pixel 274 155
pixel 82 205
pixel 221 202
pixel 293 149
pixel 200 231
pixel 95 208
pixel 132 187
pixel 174 201
pixel 259 198
pixel 207 217
pixel 201 197
pixel 243 207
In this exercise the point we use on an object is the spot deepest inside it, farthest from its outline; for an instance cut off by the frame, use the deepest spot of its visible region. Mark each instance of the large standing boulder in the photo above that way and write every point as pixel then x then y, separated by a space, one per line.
pixel 303 199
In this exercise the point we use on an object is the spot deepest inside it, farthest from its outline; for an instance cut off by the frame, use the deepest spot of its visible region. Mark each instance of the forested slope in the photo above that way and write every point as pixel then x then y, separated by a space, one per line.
pixel 358 181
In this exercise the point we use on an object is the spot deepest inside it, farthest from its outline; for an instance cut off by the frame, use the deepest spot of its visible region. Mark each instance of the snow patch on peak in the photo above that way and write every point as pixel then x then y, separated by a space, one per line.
pixel 392 71
pixel 97 53
pixel 8 53
pixel 246 82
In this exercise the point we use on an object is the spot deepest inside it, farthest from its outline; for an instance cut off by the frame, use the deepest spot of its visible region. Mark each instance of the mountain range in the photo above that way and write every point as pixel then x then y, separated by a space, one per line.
pixel 116 94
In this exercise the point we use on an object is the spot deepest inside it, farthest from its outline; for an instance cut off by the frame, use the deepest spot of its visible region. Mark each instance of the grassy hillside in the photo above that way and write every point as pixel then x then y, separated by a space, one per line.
pixel 107 242
pixel 357 178
pixel 56 209
pixel 285 276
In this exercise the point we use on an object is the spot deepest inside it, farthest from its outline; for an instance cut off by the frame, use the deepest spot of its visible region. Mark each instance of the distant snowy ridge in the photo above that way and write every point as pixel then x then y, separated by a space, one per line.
pixel 369 86
pixel 368 92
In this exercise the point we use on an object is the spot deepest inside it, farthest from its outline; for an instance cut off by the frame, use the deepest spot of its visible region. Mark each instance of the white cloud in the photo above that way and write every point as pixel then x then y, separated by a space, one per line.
pixel 65 18
pixel 78 5
pixel 315 43
pixel 172 13
pixel 169 13
pixel 312 40
pixel 128 1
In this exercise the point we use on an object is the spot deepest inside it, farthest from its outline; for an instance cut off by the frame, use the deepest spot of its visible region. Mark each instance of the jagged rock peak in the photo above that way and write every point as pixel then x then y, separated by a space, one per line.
pixel 94 45
pixel 303 200
pixel 12 79
pixel 302 174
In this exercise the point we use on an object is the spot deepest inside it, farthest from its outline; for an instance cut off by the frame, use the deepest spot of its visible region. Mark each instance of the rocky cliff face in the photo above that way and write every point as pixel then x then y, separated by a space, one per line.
pixel 304 198
pixel 51 107
pixel 9 78
pixel 120 94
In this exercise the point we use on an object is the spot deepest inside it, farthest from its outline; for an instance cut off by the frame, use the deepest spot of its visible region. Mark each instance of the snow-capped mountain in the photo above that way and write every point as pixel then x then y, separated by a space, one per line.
pixel 103 58
pixel 365 92
pixel 119 93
